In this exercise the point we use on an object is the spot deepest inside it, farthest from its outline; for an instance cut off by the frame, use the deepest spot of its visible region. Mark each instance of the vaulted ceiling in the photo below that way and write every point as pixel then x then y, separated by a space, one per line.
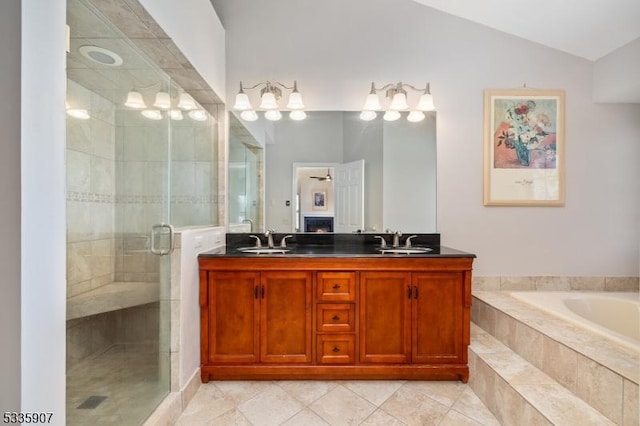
pixel 589 29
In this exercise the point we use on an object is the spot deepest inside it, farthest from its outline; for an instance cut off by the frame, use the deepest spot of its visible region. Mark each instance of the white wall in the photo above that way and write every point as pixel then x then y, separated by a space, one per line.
pixel 339 47
pixel 616 77
pixel 43 208
pixel 195 28
pixel 10 206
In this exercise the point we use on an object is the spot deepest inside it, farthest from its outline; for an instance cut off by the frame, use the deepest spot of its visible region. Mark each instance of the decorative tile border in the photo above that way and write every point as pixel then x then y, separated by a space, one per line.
pixel 555 283
pixel 89 197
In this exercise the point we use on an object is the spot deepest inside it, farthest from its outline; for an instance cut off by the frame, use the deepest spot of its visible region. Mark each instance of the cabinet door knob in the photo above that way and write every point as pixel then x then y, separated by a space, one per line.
pixel 335 317
pixel 336 286
pixel 335 349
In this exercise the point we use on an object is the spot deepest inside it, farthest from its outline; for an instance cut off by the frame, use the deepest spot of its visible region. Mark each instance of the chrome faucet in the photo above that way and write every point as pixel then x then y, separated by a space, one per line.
pixel 269 235
pixel 258 242
pixel 283 241
pixel 383 242
pixel 407 242
pixel 396 239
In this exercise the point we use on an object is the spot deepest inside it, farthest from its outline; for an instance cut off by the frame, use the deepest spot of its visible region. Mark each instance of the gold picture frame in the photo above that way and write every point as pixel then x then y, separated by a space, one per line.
pixel 524 147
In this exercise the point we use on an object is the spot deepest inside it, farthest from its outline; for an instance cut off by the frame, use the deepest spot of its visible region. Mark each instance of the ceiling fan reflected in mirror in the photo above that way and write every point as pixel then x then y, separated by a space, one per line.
pixel 326 178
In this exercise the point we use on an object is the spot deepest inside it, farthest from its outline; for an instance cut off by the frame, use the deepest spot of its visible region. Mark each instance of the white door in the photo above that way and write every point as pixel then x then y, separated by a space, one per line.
pixel 349 191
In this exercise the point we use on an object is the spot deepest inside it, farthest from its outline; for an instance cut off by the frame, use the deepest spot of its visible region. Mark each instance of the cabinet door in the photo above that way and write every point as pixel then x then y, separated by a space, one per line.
pixel 385 317
pixel 437 318
pixel 285 317
pixel 233 317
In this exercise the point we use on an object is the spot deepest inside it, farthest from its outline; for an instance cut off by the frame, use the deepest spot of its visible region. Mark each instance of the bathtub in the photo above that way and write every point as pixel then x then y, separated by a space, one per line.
pixel 615 315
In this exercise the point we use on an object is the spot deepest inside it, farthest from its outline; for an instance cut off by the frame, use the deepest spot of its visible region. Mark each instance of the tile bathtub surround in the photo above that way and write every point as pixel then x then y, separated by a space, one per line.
pixel 555 283
pixel 603 374
pixel 336 403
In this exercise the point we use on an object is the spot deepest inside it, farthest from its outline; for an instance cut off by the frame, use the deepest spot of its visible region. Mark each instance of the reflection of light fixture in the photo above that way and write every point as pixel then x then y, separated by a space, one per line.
pixel 269 96
pixel 249 115
pixel 152 114
pixel 198 115
pixel 186 102
pixel 398 96
pixel 163 100
pixel 134 100
pixel 79 113
pixel 176 114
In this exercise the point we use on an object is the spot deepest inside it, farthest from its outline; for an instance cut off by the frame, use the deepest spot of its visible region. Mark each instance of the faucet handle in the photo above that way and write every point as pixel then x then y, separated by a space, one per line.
pixel 383 242
pixel 283 241
pixel 258 242
pixel 407 242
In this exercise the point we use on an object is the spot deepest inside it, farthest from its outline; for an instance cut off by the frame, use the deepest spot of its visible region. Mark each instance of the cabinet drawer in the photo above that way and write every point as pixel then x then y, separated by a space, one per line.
pixel 336 349
pixel 336 317
pixel 337 286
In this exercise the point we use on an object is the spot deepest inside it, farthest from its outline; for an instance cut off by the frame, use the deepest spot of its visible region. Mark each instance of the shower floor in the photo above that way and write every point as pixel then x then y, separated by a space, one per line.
pixel 123 384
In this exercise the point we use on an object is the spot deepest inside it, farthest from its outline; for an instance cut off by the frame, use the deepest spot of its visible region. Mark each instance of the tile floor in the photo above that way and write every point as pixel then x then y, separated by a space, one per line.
pixel 310 403
pixel 126 376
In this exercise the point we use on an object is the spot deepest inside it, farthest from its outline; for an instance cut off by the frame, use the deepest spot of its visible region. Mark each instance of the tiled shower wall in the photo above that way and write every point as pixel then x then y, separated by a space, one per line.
pixel 117 185
pixel 91 190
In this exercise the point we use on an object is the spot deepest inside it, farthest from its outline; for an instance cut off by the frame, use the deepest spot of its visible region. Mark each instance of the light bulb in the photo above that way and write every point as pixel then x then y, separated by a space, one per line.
pixel 273 115
pixel 249 115
pixel 399 102
pixel 295 101
pixel 415 116
pixel 426 103
pixel 372 103
pixel 368 115
pixel 268 101
pixel 297 115
pixel 242 102
pixel 391 115
pixel 134 100
pixel 163 101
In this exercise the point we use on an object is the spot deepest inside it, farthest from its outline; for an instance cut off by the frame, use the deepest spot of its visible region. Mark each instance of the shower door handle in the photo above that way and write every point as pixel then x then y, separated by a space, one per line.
pixel 162 228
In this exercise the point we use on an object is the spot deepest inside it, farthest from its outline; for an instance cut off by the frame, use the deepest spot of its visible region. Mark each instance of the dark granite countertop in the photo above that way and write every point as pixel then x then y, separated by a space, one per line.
pixel 303 245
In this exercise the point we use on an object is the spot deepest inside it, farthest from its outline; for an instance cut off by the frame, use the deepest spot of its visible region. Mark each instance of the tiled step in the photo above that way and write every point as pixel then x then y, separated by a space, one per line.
pixel 518 393
pixel 603 374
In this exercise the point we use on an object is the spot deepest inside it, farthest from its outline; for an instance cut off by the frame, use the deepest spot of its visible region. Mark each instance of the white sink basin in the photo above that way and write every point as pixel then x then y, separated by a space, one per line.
pixel 404 250
pixel 264 250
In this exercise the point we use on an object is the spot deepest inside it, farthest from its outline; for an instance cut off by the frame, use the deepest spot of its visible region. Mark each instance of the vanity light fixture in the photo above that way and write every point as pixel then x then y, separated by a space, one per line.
pixel 397 93
pixel 79 113
pixel 269 96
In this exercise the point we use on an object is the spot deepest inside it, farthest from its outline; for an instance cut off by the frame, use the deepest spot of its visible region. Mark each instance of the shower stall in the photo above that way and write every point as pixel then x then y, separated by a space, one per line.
pixel 134 172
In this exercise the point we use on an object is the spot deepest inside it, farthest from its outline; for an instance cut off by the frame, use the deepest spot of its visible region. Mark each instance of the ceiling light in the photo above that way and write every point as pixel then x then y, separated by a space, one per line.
pixel 101 55
pixel 152 114
pixel 270 94
pixel 134 100
pixel 397 93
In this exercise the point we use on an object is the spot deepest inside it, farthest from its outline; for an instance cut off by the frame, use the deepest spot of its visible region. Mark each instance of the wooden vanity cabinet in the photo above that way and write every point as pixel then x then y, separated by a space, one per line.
pixel 257 317
pixel 335 318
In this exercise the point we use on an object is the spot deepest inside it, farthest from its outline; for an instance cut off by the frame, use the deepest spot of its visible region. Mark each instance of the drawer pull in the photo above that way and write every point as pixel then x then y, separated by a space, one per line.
pixel 335 318
pixel 335 349
pixel 336 286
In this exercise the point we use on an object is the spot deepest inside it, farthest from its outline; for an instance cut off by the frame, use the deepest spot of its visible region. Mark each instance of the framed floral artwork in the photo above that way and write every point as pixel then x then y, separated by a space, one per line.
pixel 524 147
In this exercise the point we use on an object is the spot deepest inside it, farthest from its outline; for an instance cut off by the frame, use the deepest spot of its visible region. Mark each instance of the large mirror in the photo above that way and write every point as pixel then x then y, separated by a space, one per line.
pixel 332 172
